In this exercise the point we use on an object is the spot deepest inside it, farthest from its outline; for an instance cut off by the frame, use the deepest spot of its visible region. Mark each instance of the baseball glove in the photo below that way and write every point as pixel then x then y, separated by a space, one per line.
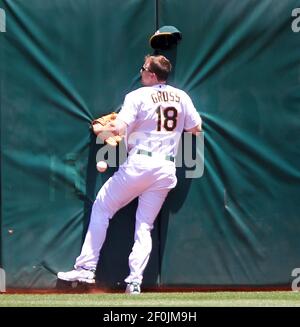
pixel 98 125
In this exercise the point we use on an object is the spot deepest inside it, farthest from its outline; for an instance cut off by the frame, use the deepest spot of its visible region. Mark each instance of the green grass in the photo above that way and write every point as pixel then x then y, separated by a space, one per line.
pixel 184 299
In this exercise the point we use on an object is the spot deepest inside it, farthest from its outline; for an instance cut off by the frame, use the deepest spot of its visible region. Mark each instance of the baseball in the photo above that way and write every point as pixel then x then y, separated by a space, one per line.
pixel 101 166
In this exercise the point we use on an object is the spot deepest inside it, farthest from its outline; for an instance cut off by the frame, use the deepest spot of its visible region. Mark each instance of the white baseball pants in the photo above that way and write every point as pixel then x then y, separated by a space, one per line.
pixel 140 176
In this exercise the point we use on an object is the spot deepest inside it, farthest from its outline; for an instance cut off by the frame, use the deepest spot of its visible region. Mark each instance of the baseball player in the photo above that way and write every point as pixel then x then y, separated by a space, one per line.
pixel 153 116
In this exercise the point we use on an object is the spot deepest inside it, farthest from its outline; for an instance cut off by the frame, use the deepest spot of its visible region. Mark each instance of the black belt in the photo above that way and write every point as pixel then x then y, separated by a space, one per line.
pixel 150 154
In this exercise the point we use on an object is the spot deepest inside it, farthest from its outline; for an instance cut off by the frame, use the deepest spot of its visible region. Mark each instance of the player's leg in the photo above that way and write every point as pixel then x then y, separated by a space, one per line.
pixel 149 206
pixel 114 194
pixel 94 237
pixel 150 203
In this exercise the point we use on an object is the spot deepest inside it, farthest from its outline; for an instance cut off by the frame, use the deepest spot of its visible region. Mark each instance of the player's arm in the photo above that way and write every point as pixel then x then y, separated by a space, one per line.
pixel 192 118
pixel 115 127
pixel 195 130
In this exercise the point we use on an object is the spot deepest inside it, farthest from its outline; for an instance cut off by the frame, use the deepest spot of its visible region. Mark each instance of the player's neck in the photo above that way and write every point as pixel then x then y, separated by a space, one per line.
pixel 159 83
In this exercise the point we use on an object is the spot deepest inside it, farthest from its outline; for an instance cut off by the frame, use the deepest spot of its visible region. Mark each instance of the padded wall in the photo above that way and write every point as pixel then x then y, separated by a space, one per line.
pixel 65 62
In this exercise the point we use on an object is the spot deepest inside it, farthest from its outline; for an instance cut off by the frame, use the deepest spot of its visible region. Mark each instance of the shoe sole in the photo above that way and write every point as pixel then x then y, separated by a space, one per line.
pixel 87 281
pixel 82 280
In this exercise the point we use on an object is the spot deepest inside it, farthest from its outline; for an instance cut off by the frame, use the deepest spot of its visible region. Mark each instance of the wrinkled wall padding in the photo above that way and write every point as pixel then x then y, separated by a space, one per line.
pixel 65 62
pixel 239 223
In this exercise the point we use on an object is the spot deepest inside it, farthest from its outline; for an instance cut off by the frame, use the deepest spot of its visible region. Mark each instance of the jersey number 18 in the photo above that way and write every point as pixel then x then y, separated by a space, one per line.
pixel 169 115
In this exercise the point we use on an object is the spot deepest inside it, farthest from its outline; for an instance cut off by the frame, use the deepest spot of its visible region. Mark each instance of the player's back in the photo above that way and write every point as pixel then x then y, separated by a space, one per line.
pixel 160 118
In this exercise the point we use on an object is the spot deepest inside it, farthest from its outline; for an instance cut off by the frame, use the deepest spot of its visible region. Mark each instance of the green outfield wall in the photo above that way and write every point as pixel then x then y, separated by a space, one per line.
pixel 66 62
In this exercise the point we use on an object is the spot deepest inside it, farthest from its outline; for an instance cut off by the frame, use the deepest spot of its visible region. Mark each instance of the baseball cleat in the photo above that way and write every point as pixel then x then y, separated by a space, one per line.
pixel 133 288
pixel 79 274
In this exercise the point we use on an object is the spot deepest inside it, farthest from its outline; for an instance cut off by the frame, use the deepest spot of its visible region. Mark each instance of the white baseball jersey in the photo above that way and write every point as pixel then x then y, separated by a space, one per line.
pixel 157 115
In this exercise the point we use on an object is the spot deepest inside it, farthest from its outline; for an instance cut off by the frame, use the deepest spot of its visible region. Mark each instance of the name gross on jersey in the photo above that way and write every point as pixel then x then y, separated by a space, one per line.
pixel 165 96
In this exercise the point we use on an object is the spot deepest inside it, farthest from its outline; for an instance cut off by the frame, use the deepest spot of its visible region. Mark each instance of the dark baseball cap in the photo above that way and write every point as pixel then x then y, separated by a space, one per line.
pixel 165 37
